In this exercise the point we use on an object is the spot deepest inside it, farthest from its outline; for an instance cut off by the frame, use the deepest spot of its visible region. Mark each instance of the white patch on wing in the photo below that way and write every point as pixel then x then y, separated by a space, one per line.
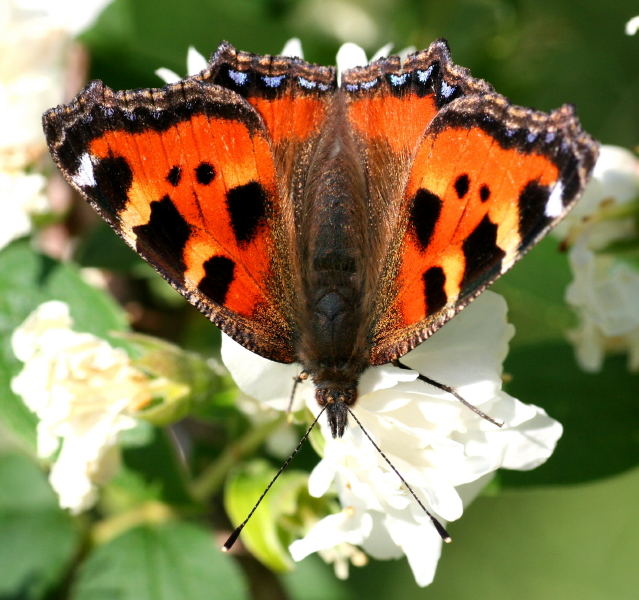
pixel 84 175
pixel 554 206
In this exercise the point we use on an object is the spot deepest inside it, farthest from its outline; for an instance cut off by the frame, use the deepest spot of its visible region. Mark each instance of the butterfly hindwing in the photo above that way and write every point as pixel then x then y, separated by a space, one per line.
pixel 186 176
pixel 461 184
pixel 392 102
pixel 487 181
pixel 293 97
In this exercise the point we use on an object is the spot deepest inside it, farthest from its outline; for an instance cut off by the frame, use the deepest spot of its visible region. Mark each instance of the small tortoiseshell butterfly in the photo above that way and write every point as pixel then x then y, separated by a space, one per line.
pixel 334 225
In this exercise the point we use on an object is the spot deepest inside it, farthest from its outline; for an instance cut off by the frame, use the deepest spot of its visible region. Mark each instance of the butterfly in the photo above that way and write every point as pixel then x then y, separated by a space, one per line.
pixel 337 225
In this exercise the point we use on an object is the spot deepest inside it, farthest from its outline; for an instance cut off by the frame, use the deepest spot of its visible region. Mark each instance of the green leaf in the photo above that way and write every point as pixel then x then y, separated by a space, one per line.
pixel 102 249
pixel 263 535
pixel 534 290
pixel 598 412
pixel 38 540
pixel 151 471
pixel 626 251
pixel 170 561
pixel 325 583
pixel 32 278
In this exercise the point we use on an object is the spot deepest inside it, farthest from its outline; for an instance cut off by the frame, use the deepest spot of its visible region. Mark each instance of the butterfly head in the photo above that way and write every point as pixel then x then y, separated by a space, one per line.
pixel 336 400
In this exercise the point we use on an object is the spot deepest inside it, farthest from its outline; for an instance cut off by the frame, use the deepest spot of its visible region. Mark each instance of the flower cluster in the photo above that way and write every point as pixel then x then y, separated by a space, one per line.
pixel 443 450
pixel 603 239
pixel 36 35
pixel 82 391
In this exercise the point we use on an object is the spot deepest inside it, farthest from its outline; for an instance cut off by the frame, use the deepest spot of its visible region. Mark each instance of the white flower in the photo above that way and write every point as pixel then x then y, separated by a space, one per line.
pixel 444 450
pixel 34 40
pixel 81 389
pixel 605 288
pixel 195 63
pixel 632 26
pixel 22 195
pixel 70 15
pixel 351 55
pixel 293 48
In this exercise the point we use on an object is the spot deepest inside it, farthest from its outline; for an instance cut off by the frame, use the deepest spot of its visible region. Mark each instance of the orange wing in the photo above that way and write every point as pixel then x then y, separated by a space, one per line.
pixel 389 106
pixel 487 182
pixel 195 177
pixel 293 98
pixel 468 184
pixel 185 176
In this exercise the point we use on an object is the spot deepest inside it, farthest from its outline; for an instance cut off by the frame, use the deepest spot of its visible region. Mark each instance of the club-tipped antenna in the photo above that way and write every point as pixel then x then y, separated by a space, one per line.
pixel 236 532
pixel 303 376
pixel 438 526
pixel 453 392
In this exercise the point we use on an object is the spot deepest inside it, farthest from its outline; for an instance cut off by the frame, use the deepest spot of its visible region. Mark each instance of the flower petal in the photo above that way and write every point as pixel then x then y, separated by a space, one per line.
pixel 293 48
pixel 167 75
pixel 348 526
pixel 632 26
pixel 349 56
pixel 268 381
pixel 195 62
pixel 383 52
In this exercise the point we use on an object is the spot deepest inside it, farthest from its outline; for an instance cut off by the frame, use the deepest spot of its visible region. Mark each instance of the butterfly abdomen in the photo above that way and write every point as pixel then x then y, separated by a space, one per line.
pixel 332 348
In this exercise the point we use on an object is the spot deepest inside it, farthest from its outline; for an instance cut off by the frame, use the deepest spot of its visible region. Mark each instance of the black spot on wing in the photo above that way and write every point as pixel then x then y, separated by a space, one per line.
pixel 204 173
pixel 174 175
pixel 247 205
pixel 532 205
pixel 113 178
pixel 424 212
pixel 219 274
pixel 434 293
pixel 484 193
pixel 164 237
pixel 483 256
pixel 462 183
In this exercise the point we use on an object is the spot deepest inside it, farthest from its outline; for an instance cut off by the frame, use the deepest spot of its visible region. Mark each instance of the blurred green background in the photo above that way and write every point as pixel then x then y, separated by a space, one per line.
pixel 569 529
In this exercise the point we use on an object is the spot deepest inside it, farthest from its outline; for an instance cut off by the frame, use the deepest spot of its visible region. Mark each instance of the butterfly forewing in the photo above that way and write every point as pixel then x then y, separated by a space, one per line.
pixel 186 176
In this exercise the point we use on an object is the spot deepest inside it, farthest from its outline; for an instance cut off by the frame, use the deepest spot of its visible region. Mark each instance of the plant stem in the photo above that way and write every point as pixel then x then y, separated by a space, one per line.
pixel 212 478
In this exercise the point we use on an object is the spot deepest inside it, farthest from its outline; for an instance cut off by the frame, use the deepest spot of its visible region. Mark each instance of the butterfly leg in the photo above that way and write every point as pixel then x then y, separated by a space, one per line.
pixel 453 392
pixel 303 376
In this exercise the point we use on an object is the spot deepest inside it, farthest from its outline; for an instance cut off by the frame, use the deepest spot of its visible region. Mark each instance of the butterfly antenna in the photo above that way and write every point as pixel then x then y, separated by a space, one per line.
pixel 452 391
pixel 303 376
pixel 236 532
pixel 438 526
